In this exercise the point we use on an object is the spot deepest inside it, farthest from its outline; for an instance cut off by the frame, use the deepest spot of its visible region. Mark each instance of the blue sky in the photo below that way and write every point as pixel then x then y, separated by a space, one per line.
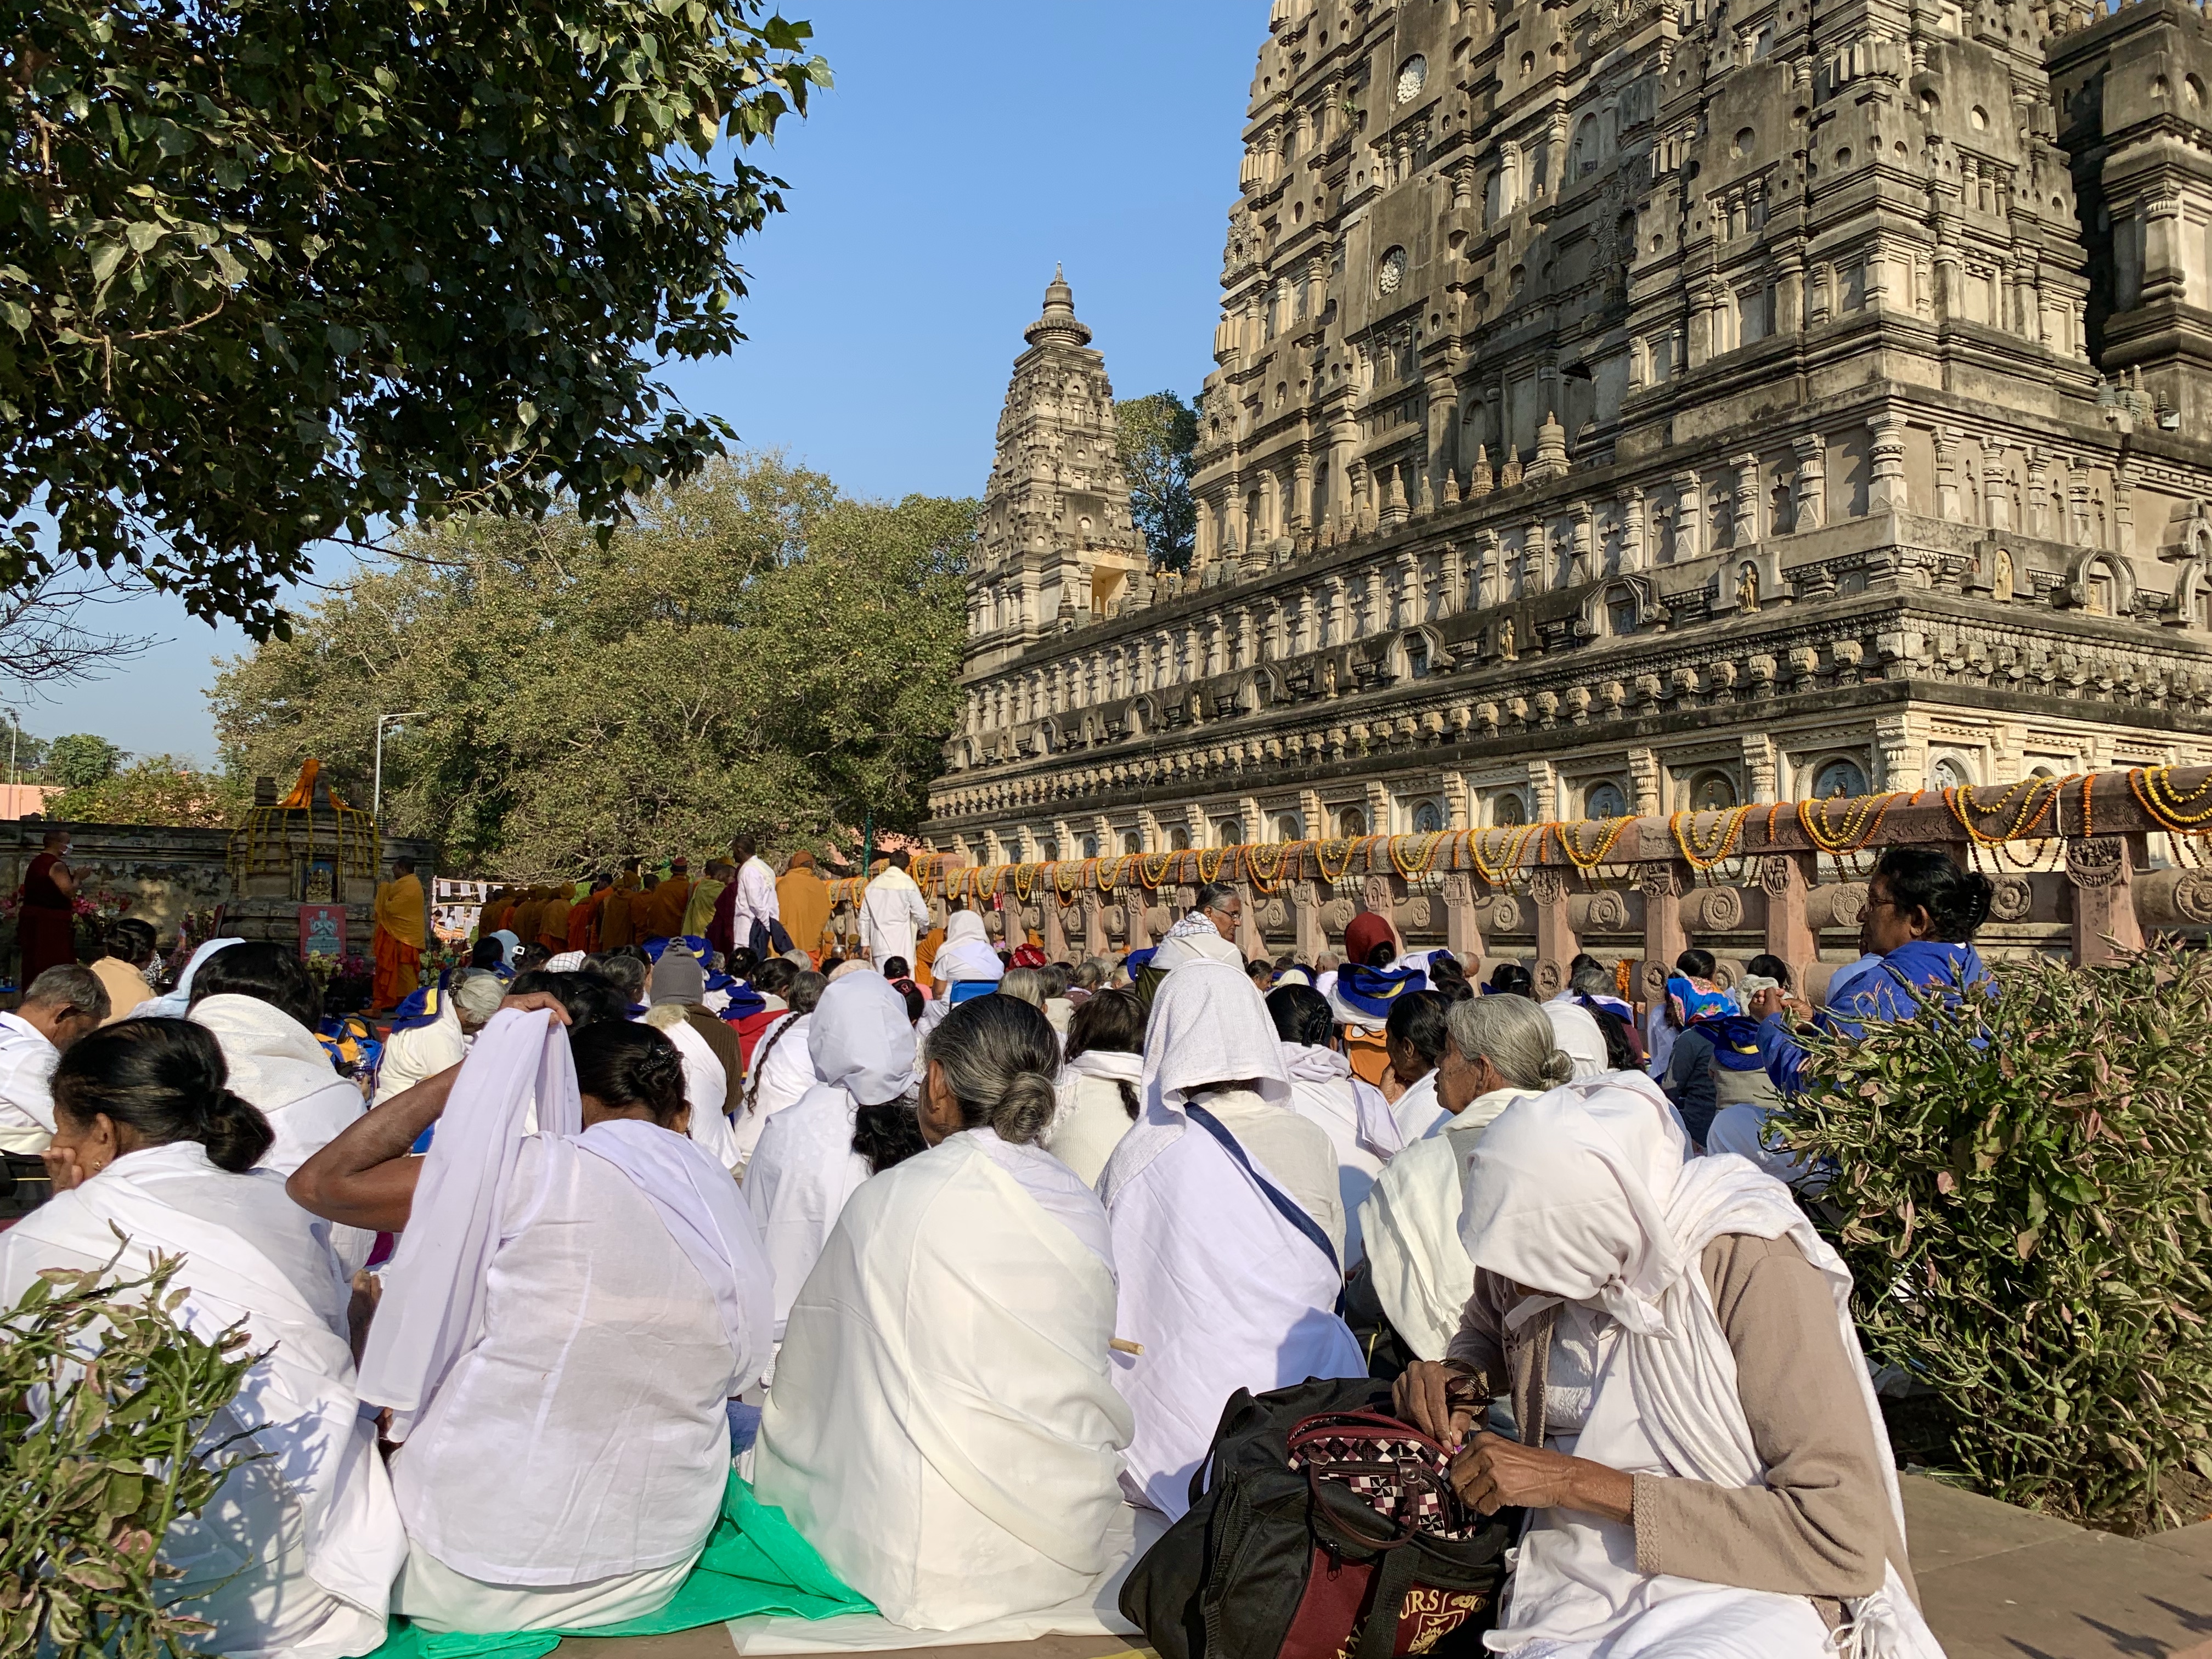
pixel 967 146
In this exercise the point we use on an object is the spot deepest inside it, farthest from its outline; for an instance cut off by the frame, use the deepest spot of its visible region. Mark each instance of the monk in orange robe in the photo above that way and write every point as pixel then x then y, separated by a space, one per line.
pixel 665 914
pixel 553 920
pixel 525 924
pixel 619 910
pixel 802 902
pixel 397 941
pixel 583 916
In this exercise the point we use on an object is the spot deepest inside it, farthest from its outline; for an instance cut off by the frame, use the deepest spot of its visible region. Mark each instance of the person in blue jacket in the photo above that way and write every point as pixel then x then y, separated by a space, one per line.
pixel 1922 911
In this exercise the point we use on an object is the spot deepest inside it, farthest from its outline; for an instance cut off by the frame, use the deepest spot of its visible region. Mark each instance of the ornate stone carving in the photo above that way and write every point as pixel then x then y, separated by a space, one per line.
pixel 2095 861
pixel 1375 893
pixel 1774 876
pixel 1117 922
pixel 1458 887
pixel 2012 900
pixel 1336 915
pixel 1657 881
pixel 1274 915
pixel 1607 913
pixel 1546 886
pixel 1158 919
pixel 1551 978
pixel 1503 915
pixel 1655 981
pixel 1418 915
pixel 1718 910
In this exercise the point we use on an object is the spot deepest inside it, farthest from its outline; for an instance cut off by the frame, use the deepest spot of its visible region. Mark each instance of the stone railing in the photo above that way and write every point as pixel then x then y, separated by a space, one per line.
pixel 2084 866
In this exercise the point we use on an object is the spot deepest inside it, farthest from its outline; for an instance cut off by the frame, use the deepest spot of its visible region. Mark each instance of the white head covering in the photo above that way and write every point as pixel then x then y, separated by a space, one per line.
pixel 966 953
pixel 566 962
pixel 1574 1028
pixel 1583 1195
pixel 1210 1024
pixel 172 1005
pixel 859 1040
pixel 436 1286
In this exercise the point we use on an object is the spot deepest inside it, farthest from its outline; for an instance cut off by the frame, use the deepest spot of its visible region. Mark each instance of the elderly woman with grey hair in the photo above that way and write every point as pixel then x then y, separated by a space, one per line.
pixel 1501 1049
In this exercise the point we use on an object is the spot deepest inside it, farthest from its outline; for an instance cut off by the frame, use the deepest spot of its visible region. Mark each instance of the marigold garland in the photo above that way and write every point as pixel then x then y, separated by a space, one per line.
pixel 1520 836
pixel 1701 852
pixel 1349 844
pixel 2033 797
pixel 1434 838
pixel 1862 817
pixel 1151 876
pixel 2153 786
pixel 1265 880
pixel 1220 857
pixel 1569 837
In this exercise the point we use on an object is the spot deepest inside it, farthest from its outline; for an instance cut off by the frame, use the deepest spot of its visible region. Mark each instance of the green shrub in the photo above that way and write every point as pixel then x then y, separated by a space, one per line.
pixel 2029 1225
pixel 98 1456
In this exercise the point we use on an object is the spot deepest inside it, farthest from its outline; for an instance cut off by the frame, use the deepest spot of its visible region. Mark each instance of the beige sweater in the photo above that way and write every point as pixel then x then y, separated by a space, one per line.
pixel 1822 1524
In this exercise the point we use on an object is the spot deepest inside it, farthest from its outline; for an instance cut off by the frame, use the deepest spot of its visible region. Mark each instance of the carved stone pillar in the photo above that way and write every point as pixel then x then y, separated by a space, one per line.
pixel 2101 869
pixel 1748 515
pixel 1634 556
pixel 1885 489
pixel 1305 912
pixel 1095 942
pixel 1997 492
pixel 2038 492
pixel 1812 482
pixel 1055 934
pixel 1302 494
pixel 1489 585
pixel 1662 885
pixel 1946 472
pixel 1786 878
pixel 1689 517
pixel 1462 934
pixel 1250 939
pixel 1556 944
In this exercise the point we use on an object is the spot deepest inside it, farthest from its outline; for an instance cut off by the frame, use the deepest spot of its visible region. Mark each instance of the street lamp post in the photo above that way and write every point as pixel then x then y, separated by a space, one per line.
pixel 376 798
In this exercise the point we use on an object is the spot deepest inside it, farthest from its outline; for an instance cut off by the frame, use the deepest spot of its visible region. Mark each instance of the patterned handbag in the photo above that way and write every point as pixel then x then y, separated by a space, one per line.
pixel 1391 1466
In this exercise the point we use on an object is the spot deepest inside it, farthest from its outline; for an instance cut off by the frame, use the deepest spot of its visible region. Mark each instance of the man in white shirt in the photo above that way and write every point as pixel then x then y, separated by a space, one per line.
pixel 755 885
pixel 893 913
pixel 62 1004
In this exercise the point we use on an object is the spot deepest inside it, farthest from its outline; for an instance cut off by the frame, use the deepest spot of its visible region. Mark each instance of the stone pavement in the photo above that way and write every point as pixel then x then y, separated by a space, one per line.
pixel 1997 1583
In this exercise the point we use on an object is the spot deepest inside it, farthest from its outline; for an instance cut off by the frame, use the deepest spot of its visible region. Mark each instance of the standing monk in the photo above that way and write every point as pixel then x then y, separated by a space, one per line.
pixel 663 915
pixel 398 936
pixel 893 913
pixel 46 924
pixel 618 909
pixel 804 898
pixel 583 916
pixel 699 908
pixel 523 923
pixel 553 920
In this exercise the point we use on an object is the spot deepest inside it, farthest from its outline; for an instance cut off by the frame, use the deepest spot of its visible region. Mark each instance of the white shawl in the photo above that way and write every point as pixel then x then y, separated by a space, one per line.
pixel 1357 1119
pixel 944 1427
pixel 706 1083
pixel 1089 1119
pixel 966 953
pixel 298 1400
pixel 782 1072
pixel 1582 1195
pixel 1220 1288
pixel 432 1306
pixel 1574 1029
pixel 277 1066
pixel 1195 939
pixel 174 1004
pixel 1416 1112
pixel 805 1168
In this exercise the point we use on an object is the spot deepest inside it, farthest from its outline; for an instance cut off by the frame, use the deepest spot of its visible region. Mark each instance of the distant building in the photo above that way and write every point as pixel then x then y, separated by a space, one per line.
pixel 1633 407
pixel 19 800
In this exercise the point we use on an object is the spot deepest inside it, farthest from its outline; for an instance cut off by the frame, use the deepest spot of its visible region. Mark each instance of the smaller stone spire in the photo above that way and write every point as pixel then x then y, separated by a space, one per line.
pixel 1059 322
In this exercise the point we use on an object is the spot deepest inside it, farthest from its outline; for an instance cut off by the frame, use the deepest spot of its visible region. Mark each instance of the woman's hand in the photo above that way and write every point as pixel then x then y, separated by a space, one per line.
pixel 1492 1473
pixel 1422 1396
pixel 63 1168
pixel 529 999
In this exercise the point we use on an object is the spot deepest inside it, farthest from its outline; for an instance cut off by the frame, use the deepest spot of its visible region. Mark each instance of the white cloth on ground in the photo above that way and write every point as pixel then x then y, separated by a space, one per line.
pixel 27 1059
pixel 412 1055
pixel 805 1167
pixel 1411 1222
pixel 944 1427
pixel 296 1553
pixel 1575 1029
pixel 893 916
pixel 1416 1112
pixel 1584 1196
pixel 173 1004
pixel 1091 1117
pixel 966 953
pixel 782 1072
pixel 1351 1112
pixel 1220 1288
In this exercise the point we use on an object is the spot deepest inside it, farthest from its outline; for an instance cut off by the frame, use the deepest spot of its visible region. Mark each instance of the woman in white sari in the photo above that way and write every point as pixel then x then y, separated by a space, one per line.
pixel 1350 1110
pixel 1097 1086
pixel 1498 1051
pixel 296 1554
pixel 1695 1416
pixel 1228 1228
pixel 567 1316
pixel 943 1425
pixel 857 1120
pixel 966 956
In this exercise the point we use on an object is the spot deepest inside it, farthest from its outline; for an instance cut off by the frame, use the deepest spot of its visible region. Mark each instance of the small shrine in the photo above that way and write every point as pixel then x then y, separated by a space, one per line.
pixel 304 867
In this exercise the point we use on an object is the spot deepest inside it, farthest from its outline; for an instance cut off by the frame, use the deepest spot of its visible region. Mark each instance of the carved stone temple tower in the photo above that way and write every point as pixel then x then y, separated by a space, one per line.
pixel 1634 405
pixel 1056 547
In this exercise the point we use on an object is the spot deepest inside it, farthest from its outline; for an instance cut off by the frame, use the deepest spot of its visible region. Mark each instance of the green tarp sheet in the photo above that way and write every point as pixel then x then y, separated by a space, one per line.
pixel 754 1562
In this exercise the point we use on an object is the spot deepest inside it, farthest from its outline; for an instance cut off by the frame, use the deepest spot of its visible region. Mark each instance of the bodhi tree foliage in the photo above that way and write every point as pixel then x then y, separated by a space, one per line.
pixel 1158 433
pixel 755 651
pixel 274 270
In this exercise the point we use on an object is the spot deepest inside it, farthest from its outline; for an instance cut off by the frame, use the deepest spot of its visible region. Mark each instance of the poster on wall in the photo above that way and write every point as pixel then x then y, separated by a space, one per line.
pixel 454 908
pixel 322 930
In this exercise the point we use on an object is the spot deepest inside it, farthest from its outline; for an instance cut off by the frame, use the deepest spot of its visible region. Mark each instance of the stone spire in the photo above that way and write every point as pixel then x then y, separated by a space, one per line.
pixel 1059 323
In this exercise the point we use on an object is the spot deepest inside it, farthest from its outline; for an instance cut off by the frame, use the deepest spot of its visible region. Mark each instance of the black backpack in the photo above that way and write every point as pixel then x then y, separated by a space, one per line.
pixel 1271 1563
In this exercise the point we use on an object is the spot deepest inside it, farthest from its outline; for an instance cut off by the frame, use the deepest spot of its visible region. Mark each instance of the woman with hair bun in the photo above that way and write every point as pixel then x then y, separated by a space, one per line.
pixel 297 1552
pixel 943 1426
pixel 1922 913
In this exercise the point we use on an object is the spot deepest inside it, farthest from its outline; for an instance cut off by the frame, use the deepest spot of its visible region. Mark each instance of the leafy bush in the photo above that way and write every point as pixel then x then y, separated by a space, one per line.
pixel 2029 1224
pixel 98 1455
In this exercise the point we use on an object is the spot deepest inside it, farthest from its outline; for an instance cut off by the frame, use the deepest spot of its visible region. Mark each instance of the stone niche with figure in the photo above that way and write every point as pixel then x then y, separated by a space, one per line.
pixel 1651 407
